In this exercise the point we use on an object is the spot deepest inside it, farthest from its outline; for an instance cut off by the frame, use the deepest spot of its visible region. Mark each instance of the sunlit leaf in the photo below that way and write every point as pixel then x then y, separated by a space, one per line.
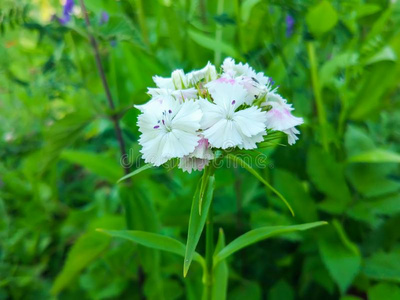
pixel 260 234
pixel 152 240
pixel 375 156
pixel 197 221
pixel 321 18
pixel 220 272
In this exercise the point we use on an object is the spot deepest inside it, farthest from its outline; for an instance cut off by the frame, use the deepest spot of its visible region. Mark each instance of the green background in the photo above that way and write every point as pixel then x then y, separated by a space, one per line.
pixel 59 158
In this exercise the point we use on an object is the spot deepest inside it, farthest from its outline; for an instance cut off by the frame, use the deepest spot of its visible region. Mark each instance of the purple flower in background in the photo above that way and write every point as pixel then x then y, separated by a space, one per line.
pixel 289 25
pixel 113 43
pixel 104 17
pixel 67 11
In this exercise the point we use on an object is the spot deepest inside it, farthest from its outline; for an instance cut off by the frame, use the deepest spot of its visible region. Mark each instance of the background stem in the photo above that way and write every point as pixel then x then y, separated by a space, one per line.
pixel 115 120
pixel 218 33
pixel 106 87
pixel 317 94
pixel 209 253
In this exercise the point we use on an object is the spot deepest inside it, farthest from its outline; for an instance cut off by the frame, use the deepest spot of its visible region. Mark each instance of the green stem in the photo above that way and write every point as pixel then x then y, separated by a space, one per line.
pixel 317 94
pixel 209 253
pixel 142 22
pixel 218 34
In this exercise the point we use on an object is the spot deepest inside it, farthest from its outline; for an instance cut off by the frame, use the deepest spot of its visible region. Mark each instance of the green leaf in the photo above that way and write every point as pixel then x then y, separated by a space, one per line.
pixel 86 249
pixel 386 54
pixel 293 190
pixel 212 44
pixel 245 165
pixel 60 135
pixel 281 290
pixel 96 163
pixel 384 291
pixel 341 257
pixel 220 272
pixel 321 18
pixel 137 171
pixel 246 290
pixel 371 180
pixel 259 234
pixel 370 210
pixel 371 89
pixel 152 240
pixel 246 7
pixel 328 177
pixel 203 186
pixel 375 156
pixel 383 266
pixel 196 222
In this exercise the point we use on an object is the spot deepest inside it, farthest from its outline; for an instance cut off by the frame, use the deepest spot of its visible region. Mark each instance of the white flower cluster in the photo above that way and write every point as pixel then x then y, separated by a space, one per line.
pixel 191 115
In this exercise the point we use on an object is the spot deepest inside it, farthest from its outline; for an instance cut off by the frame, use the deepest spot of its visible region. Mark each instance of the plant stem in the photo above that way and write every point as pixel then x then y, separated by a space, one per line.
pixel 142 22
pixel 114 118
pixel 106 87
pixel 209 253
pixel 218 33
pixel 317 94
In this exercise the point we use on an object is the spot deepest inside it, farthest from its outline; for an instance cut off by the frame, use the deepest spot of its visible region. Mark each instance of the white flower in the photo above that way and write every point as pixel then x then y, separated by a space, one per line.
pixel 208 73
pixel 163 83
pixel 291 133
pixel 180 95
pixel 224 126
pixel 199 158
pixel 280 117
pixel 161 94
pixel 169 130
pixel 236 70
pixel 179 80
pixel 256 84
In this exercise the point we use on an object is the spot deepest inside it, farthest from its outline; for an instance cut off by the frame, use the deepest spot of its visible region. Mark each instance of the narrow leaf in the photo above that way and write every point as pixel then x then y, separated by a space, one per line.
pixel 245 165
pixel 203 186
pixel 220 272
pixel 137 171
pixel 259 234
pixel 376 156
pixel 196 222
pixel 152 240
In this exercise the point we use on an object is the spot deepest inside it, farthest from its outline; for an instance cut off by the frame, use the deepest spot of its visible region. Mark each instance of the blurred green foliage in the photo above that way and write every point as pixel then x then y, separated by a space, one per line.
pixel 339 65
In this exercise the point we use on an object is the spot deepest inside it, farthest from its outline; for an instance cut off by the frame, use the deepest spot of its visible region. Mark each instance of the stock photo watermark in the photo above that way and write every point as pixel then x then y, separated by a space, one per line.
pixel 259 160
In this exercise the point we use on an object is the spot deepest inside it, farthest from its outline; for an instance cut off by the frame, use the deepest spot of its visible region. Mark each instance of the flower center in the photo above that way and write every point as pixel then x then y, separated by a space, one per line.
pixel 166 121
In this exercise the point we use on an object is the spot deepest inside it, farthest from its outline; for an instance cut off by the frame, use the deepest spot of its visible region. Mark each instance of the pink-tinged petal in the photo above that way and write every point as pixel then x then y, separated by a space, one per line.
pixel 280 118
pixel 189 164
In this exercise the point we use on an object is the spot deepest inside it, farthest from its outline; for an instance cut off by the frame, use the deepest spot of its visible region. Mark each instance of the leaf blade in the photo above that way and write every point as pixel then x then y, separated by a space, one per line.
pixel 375 156
pixel 256 235
pixel 220 272
pixel 245 165
pixel 137 171
pixel 197 222
pixel 152 240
